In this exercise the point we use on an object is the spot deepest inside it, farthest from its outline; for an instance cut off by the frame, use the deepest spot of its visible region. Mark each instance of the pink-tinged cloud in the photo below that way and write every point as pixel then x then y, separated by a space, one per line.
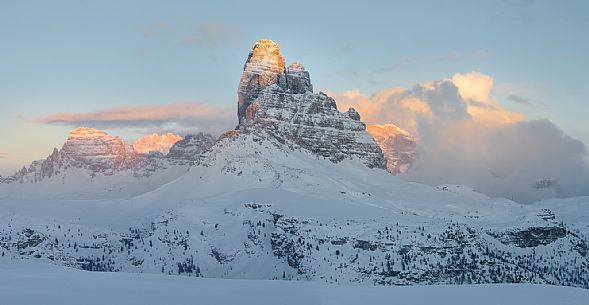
pixel 462 97
pixel 465 136
pixel 185 116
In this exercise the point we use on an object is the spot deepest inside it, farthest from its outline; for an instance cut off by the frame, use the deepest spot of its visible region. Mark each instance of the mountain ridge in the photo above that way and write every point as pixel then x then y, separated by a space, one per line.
pixel 101 165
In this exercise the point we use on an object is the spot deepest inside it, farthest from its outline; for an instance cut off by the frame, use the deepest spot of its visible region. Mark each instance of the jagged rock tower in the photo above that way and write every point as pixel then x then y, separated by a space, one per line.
pixel 280 102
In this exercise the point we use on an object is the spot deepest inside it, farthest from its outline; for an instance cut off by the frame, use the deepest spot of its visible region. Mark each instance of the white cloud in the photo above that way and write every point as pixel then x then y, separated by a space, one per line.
pixel 467 137
pixel 185 117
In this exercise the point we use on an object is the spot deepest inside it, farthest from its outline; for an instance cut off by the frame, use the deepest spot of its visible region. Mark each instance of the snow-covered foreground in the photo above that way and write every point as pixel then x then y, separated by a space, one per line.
pixel 33 283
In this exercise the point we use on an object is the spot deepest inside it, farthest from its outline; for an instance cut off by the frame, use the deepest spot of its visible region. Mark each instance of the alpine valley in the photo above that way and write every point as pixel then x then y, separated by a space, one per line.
pixel 297 191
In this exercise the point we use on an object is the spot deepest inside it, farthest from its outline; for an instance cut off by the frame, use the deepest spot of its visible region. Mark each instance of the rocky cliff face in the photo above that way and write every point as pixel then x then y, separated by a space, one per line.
pixel 262 68
pixel 281 103
pixel 156 143
pixel 99 153
pixel 96 150
pixel 187 150
pixel 86 148
pixel 398 146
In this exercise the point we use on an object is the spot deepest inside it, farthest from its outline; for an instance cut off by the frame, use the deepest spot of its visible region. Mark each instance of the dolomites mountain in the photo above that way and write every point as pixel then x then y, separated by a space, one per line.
pixel 94 159
pixel 189 149
pixel 279 102
pixel 85 148
pixel 297 192
pixel 263 65
pixel 397 145
pixel 156 143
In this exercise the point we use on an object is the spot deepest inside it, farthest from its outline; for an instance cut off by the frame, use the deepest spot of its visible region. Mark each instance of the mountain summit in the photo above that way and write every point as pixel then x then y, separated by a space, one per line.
pixel 156 143
pixel 280 103
pixel 95 164
pixel 261 70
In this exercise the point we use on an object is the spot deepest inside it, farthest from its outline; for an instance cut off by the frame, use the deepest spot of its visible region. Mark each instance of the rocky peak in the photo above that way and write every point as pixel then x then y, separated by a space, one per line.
pixel 280 103
pixel 99 153
pixel 397 145
pixel 85 148
pixel 95 149
pixel 295 79
pixel 87 132
pixel 190 148
pixel 262 68
pixel 353 114
pixel 156 143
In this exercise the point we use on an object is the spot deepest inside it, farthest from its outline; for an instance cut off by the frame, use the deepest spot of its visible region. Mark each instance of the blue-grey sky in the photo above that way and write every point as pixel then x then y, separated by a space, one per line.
pixel 81 57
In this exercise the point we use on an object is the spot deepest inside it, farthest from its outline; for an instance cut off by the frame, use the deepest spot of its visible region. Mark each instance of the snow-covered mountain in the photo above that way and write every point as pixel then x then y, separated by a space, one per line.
pixel 78 287
pixel 86 148
pixel 156 143
pixel 278 103
pixel 189 149
pixel 300 191
pixel 93 164
pixel 398 146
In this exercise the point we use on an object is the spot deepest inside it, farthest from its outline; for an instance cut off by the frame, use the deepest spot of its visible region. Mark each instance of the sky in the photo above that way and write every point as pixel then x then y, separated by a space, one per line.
pixel 136 67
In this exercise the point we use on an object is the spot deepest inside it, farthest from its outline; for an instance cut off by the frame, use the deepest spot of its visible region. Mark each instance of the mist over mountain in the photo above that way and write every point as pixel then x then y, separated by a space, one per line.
pixel 464 136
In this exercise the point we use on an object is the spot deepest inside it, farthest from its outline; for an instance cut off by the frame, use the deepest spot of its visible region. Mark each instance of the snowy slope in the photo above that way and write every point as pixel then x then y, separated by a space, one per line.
pixel 29 283
pixel 253 210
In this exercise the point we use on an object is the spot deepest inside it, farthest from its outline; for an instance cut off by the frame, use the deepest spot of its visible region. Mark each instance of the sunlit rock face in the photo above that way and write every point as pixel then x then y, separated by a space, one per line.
pixel 262 68
pixel 280 102
pixel 98 153
pixel 85 148
pixel 97 150
pixel 398 146
pixel 156 143
pixel 295 79
pixel 187 150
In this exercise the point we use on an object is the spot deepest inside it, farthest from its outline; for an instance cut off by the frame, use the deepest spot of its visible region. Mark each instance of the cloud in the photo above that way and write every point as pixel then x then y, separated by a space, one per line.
pixel 178 116
pixel 462 97
pixel 474 89
pixel 3 155
pixel 465 136
pixel 518 99
pixel 211 34
pixel 505 161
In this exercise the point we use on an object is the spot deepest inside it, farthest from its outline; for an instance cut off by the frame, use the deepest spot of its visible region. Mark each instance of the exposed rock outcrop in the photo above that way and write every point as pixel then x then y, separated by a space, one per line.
pixel 156 143
pixel 97 152
pixel 398 146
pixel 85 148
pixel 262 68
pixel 186 151
pixel 281 103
